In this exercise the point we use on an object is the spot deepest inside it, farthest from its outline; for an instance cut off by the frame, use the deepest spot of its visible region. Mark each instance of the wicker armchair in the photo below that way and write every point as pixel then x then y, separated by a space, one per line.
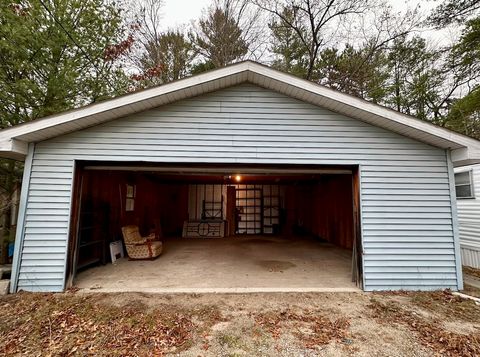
pixel 139 247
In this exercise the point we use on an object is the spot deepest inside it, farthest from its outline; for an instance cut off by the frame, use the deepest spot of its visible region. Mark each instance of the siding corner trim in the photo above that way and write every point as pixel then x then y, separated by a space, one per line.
pixel 456 236
pixel 19 234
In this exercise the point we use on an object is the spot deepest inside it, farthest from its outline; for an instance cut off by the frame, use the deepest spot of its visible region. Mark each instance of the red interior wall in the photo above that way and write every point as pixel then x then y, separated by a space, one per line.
pixel 324 209
pixel 172 207
pixel 159 207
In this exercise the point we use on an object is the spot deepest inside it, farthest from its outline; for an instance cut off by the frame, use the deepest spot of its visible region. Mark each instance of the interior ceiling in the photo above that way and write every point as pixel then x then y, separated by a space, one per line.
pixel 235 179
pixel 222 170
pixel 225 175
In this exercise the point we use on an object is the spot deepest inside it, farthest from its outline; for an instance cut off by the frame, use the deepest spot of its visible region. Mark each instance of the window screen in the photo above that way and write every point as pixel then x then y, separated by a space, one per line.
pixel 463 184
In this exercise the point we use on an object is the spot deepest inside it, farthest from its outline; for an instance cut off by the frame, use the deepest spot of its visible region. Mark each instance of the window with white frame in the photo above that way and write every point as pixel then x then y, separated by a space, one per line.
pixel 464 184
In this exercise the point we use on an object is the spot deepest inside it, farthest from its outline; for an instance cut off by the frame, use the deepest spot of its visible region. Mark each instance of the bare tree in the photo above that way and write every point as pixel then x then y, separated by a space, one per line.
pixel 249 19
pixel 146 16
pixel 378 31
pixel 149 17
pixel 312 20
pixel 158 56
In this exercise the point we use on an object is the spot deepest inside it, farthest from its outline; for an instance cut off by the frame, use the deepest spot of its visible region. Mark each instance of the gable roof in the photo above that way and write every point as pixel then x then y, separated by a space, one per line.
pixel 14 140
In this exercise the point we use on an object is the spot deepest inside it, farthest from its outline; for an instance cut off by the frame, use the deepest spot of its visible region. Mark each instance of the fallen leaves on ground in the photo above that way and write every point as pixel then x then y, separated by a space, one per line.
pixel 430 330
pixel 134 324
pixel 61 324
pixel 309 327
pixel 471 290
pixel 447 305
pixel 471 271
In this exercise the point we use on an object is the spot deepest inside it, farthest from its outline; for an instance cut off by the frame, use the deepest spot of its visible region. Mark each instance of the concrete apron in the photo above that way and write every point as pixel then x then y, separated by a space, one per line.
pixel 251 265
pixel 218 290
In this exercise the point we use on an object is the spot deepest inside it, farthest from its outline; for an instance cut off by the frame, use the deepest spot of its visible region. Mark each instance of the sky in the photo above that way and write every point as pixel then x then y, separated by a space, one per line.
pixel 182 12
pixel 179 12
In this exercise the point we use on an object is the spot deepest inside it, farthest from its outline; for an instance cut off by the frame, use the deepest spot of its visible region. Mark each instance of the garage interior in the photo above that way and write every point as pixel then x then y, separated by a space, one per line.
pixel 223 229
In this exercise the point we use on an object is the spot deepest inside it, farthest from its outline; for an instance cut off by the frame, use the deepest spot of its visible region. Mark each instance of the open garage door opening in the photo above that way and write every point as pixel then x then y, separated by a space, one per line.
pixel 222 228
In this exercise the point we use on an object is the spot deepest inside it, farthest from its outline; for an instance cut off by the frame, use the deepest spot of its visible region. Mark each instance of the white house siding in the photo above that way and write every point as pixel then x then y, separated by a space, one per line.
pixel 406 209
pixel 469 221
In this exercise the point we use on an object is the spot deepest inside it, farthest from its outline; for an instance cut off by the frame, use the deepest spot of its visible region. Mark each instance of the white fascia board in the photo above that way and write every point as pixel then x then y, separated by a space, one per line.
pixel 367 107
pixel 124 100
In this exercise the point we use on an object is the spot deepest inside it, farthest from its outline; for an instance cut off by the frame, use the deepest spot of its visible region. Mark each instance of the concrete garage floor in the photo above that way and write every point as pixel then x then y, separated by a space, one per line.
pixel 229 265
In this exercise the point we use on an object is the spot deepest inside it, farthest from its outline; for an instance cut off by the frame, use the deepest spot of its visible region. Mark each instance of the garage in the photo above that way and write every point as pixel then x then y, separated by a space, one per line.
pixel 229 229
pixel 251 178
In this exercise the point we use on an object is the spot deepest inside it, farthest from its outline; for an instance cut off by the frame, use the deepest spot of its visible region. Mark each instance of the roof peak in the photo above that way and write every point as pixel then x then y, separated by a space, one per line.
pixel 14 140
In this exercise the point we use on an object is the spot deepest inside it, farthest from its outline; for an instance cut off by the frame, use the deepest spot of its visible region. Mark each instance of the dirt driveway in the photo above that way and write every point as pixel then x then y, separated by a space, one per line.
pixel 310 324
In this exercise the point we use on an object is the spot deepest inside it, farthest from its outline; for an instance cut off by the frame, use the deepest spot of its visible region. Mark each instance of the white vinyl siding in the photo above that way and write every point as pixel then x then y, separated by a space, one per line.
pixel 406 211
pixel 469 219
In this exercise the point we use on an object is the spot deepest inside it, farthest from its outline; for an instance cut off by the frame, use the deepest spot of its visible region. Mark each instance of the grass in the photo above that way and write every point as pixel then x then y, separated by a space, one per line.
pixel 230 341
